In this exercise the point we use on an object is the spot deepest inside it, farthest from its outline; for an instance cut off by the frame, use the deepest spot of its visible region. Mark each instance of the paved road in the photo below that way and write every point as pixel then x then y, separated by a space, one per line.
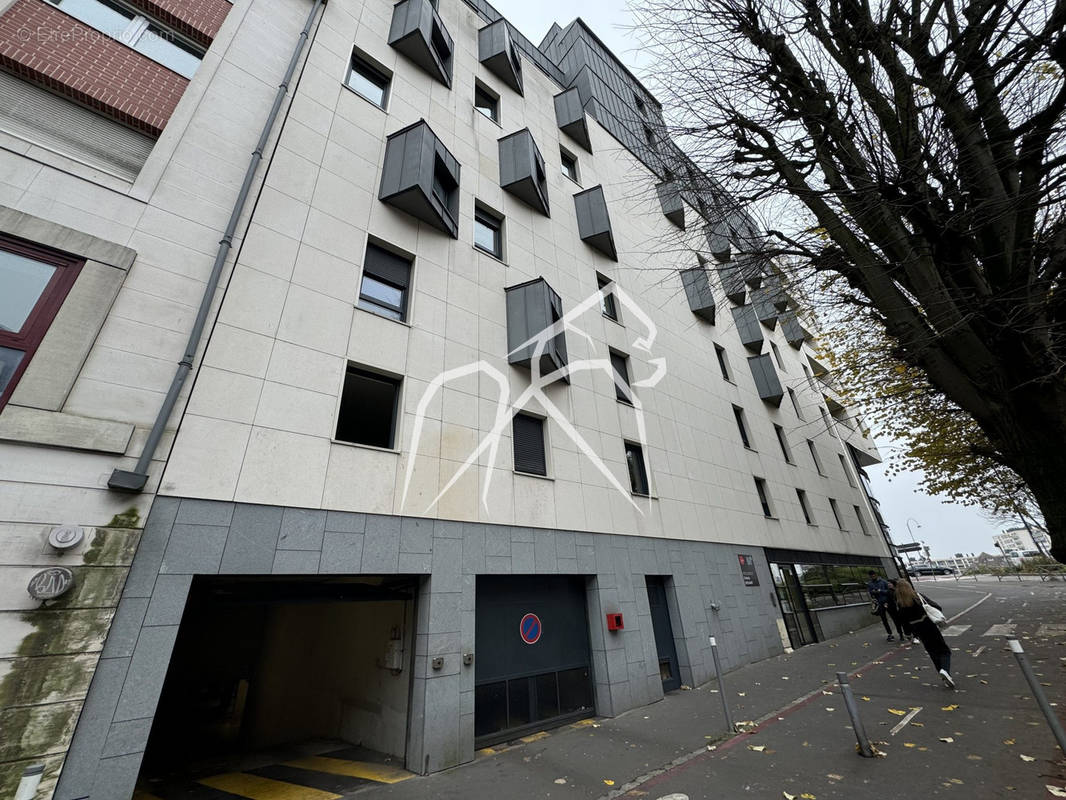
pixel 804 745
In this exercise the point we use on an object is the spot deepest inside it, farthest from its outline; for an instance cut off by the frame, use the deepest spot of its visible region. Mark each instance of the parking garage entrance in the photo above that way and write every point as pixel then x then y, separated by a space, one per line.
pixel 532 667
pixel 282 679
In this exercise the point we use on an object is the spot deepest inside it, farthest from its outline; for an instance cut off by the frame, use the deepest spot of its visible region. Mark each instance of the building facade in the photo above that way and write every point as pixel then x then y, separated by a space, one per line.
pixel 430 400
pixel 1021 541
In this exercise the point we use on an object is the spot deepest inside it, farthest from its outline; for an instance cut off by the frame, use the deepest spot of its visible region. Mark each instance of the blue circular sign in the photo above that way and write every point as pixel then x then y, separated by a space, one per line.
pixel 530 628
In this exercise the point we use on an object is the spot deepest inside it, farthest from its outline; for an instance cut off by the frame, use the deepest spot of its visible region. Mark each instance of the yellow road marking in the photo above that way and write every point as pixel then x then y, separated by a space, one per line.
pixel 535 737
pixel 380 773
pixel 264 788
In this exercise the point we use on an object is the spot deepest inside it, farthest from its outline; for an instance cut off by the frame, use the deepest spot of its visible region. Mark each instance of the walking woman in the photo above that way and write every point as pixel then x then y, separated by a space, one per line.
pixel 913 614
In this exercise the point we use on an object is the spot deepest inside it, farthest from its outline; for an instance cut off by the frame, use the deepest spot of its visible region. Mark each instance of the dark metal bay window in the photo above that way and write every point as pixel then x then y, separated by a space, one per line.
pixel 522 170
pixel 33 284
pixel 421 177
pixel 386 280
pixel 638 471
pixel 533 309
pixel 570 116
pixel 593 221
pixel 498 53
pixel 368 79
pixel 418 32
pixel 529 455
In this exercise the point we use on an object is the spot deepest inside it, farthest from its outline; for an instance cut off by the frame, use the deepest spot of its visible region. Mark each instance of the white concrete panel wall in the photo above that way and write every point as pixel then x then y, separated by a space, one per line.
pixel 260 423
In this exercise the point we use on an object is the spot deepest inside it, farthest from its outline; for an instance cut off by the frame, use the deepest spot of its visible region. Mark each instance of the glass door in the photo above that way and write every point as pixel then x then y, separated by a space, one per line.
pixel 794 609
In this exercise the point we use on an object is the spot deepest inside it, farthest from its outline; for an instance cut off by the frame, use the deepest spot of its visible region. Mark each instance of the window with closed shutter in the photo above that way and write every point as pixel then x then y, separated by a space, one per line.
pixel 386 277
pixel 529 445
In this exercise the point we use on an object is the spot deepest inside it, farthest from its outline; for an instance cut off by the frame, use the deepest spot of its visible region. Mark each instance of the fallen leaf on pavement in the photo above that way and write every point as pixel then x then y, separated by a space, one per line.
pixel 897 712
pixel 947 739
pixel 1026 758
pixel 1055 791
pixel 956 781
pixel 560 780
pixel 608 781
pixel 909 744
pixel 1008 742
pixel 834 777
pixel 807 796
pixel 742 694
pixel 830 708
pixel 866 699
pixel 952 707
pixel 828 693
pixel 758 748
pixel 918 724
pixel 974 758
pixel 788 796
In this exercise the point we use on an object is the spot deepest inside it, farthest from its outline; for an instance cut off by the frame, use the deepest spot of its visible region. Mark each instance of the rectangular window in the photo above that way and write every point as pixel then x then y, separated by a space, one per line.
pixel 33 284
pixel 569 164
pixel 804 506
pixel 777 357
pixel 810 377
pixel 638 472
pixel 386 278
pixel 795 402
pixel 764 497
pixel 620 365
pixel 369 403
pixel 782 440
pixel 862 522
pixel 444 184
pixel 836 513
pixel 488 232
pixel 639 102
pixel 368 80
pixel 723 362
pixel 845 470
pixel 152 40
pixel 529 452
pixel 742 426
pixel 607 304
pixel 814 457
pixel 649 136
pixel 487 102
pixel 440 44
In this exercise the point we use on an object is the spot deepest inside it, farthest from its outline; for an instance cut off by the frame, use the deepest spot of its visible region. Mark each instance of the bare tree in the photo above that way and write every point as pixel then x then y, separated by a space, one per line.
pixel 918 149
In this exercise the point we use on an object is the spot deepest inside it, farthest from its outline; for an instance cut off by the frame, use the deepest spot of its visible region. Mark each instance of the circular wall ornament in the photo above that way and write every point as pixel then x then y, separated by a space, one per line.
pixel 48 584
pixel 65 537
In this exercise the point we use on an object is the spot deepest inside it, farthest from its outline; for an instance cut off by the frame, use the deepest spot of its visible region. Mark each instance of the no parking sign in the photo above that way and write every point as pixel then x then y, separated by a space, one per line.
pixel 530 628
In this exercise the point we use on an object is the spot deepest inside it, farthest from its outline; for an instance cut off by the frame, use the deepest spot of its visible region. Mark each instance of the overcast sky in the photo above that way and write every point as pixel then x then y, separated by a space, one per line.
pixel 947 528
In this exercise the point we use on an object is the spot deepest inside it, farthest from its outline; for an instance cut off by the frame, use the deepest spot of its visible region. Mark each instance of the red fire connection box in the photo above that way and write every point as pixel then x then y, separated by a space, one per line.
pixel 614 622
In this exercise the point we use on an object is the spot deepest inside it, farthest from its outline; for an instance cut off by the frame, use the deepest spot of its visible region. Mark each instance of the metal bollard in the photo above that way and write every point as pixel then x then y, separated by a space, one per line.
pixel 1038 693
pixel 721 686
pixel 31 779
pixel 853 711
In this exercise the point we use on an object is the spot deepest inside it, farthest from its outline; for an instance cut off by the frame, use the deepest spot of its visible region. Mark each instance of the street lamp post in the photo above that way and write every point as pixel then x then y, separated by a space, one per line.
pixel 919 525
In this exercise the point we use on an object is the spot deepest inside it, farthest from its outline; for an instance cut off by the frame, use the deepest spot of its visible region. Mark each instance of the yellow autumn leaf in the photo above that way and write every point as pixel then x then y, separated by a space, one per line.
pixel 918 724
pixel 866 699
pixel 947 739
pixel 808 796
pixel 1008 742
pixel 758 748
pixel 952 707
pixel 897 712
pixel 1026 758
pixel 788 796
pixel 608 781
pixel 909 744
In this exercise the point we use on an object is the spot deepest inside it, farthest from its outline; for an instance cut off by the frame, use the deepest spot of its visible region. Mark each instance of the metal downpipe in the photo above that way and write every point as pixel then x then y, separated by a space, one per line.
pixel 135 480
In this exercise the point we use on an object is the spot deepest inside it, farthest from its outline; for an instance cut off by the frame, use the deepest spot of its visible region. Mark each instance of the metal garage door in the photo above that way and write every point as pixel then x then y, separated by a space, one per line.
pixel 532 669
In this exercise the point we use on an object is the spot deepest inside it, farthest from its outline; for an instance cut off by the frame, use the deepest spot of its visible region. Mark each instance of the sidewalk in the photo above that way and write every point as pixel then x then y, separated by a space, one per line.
pixel 805 745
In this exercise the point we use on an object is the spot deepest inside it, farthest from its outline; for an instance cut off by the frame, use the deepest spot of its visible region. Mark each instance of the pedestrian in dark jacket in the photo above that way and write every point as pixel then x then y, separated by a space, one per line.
pixel 880 592
pixel 913 613
pixel 902 628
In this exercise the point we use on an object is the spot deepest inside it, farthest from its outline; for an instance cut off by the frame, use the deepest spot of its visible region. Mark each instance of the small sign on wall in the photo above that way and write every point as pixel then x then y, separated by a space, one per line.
pixel 747 570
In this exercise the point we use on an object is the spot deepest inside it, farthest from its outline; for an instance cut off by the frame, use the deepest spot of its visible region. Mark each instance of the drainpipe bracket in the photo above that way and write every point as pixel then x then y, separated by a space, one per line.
pixel 125 481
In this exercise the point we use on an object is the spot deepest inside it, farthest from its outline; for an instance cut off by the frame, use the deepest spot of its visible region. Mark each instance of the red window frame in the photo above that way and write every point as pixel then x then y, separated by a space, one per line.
pixel 29 337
